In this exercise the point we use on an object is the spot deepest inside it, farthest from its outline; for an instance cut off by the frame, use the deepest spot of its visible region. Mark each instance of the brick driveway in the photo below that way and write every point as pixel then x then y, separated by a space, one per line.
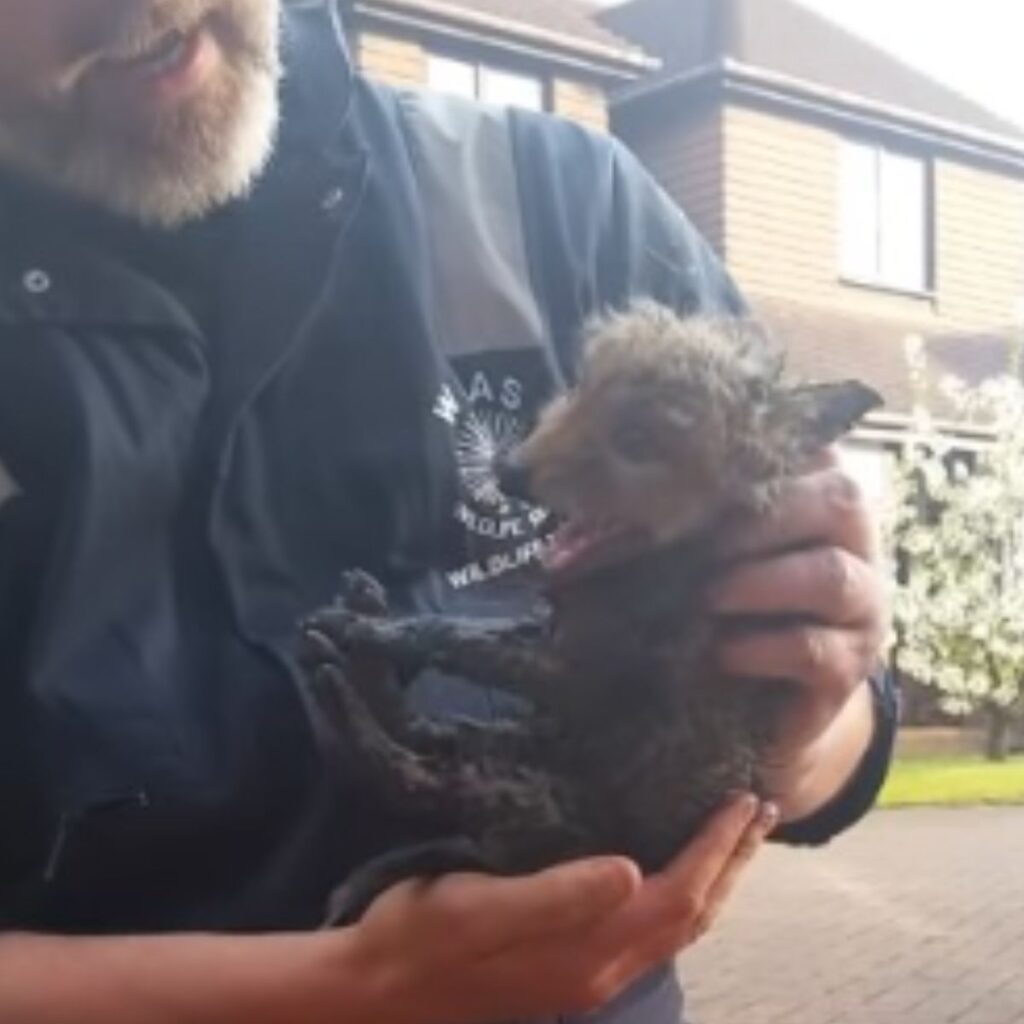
pixel 915 917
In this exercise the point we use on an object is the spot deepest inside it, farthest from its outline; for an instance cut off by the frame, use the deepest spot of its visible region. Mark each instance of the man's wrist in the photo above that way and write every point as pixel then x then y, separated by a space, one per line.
pixel 806 782
pixel 220 979
pixel 859 794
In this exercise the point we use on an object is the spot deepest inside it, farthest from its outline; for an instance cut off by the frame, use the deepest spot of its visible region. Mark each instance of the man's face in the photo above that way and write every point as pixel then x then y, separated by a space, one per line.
pixel 156 109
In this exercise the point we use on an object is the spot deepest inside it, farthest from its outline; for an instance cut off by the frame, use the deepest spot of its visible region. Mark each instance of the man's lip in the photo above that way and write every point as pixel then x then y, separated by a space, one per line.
pixel 167 50
pixel 172 66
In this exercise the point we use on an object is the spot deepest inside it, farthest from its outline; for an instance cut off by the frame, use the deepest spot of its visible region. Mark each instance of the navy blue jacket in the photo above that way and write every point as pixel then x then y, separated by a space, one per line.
pixel 181 481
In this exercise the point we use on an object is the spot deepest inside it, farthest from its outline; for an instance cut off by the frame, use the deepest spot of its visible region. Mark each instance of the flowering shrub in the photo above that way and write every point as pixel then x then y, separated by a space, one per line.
pixel 957 530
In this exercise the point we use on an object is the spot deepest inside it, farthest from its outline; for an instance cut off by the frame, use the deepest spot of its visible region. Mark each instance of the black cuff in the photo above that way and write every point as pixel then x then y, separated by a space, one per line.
pixel 858 796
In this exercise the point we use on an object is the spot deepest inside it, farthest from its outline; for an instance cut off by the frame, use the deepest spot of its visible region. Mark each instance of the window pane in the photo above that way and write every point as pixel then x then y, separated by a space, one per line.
pixel 858 211
pixel 508 90
pixel 451 76
pixel 871 467
pixel 904 226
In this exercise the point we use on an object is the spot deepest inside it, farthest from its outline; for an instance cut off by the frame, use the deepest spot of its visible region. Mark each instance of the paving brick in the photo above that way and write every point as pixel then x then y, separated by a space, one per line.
pixel 914 917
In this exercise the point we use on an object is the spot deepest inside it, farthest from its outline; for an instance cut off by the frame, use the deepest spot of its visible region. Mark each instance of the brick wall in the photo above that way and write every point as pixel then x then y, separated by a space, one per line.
pixel 394 61
pixel 764 188
pixel 581 102
pixel 683 149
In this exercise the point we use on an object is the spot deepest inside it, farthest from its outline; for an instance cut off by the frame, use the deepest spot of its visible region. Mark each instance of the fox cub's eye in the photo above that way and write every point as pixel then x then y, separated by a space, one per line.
pixel 635 442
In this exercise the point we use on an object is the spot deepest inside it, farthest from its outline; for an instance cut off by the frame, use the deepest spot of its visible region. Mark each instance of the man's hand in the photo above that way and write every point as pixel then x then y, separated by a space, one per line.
pixel 810 575
pixel 465 949
pixel 469 948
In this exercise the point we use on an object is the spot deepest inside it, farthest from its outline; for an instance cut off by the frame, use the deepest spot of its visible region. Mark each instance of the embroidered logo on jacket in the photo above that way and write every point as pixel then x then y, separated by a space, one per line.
pixel 486 419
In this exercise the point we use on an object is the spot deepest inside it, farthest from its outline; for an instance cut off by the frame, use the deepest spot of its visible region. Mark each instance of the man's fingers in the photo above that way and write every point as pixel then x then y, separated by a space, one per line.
pixel 492 914
pixel 757 831
pixel 654 920
pixel 827 583
pixel 684 932
pixel 822 507
pixel 830 662
pixel 684 885
pixel 678 893
pixel 680 904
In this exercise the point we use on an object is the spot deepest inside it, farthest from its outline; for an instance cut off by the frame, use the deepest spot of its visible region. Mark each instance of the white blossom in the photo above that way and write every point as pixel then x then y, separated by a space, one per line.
pixel 957 526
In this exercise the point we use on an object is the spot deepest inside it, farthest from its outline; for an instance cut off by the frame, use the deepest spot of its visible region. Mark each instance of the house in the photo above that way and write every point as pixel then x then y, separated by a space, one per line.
pixel 550 55
pixel 856 200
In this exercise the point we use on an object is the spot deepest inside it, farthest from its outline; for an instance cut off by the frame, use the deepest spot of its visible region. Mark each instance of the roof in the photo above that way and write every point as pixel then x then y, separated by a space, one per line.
pixel 824 344
pixel 572 18
pixel 562 24
pixel 786 42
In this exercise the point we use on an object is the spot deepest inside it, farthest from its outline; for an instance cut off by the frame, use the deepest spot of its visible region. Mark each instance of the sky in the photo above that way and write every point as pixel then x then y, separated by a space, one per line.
pixel 974 46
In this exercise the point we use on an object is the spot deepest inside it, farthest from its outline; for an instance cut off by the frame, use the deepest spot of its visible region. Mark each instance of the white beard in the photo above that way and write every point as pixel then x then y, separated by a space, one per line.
pixel 203 155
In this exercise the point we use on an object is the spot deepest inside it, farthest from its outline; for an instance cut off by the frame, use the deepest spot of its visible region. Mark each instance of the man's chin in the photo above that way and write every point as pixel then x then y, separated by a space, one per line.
pixel 182 180
pixel 164 173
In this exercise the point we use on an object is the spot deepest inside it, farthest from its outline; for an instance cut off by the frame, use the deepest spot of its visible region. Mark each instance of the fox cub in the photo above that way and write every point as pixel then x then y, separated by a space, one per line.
pixel 673 428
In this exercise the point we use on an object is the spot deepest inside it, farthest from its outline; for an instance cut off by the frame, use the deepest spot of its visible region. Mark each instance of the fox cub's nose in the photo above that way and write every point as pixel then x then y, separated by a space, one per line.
pixel 513 477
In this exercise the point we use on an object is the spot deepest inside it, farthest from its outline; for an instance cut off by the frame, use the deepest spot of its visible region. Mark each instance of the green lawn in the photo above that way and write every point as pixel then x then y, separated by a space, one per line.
pixel 954 781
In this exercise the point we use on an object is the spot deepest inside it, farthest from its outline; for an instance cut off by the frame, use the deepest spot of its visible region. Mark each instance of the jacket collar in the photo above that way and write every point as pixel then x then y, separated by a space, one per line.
pixel 318 86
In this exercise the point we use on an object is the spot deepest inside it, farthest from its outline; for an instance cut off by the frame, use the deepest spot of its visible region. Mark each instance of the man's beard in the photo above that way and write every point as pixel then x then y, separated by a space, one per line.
pixel 200 153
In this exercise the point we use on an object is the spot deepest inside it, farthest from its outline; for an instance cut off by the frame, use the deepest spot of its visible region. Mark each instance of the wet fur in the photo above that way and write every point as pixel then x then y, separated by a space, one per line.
pixel 634 736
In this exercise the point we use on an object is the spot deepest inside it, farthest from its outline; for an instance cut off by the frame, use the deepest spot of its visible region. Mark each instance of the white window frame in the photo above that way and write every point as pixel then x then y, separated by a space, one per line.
pixel 884 240
pixel 483 82
pixel 871 465
pixel 451 75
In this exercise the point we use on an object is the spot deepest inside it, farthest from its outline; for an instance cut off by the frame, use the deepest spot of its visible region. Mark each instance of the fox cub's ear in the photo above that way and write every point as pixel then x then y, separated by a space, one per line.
pixel 822 413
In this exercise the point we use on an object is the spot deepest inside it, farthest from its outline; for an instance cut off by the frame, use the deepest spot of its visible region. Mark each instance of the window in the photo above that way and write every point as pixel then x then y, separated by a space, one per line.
pixel 487 84
pixel 510 90
pixel 871 466
pixel 452 76
pixel 885 234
